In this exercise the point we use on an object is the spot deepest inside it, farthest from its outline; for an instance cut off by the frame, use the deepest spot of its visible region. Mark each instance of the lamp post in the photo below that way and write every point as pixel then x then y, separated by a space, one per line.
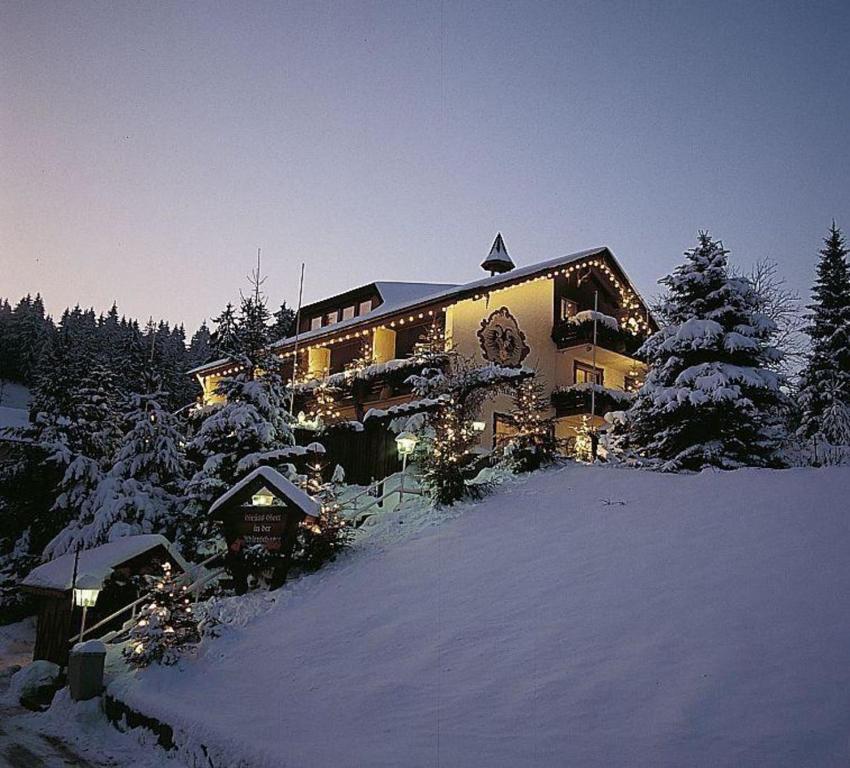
pixel 406 444
pixel 86 590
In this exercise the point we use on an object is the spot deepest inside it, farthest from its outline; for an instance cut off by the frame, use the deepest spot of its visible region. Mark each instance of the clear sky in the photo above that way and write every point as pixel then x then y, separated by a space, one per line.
pixel 147 149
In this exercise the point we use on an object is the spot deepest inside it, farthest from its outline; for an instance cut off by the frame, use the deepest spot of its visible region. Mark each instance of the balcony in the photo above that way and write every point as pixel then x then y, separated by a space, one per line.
pixel 575 399
pixel 568 333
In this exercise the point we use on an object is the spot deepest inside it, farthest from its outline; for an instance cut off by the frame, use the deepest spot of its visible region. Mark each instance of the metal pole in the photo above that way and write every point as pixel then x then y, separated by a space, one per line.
pixel 295 349
pixel 82 626
pixel 593 358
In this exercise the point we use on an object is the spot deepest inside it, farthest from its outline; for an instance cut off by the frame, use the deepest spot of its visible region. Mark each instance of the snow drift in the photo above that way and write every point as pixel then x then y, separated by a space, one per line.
pixel 587 617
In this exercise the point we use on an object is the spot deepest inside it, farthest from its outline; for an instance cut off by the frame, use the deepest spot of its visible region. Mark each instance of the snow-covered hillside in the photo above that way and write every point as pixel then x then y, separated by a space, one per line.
pixel 584 617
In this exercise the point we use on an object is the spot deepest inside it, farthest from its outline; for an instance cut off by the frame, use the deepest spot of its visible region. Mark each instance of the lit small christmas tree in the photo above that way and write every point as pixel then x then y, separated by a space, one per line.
pixel 431 344
pixel 584 440
pixel 165 625
pixel 325 410
pixel 533 442
pixel 363 360
pixel 320 542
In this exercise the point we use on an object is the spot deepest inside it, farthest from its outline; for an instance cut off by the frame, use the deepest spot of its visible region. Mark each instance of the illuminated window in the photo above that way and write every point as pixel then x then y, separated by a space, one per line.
pixel 365 306
pixel 587 374
pixel 347 313
pixel 315 323
pixel 569 308
pixel 330 317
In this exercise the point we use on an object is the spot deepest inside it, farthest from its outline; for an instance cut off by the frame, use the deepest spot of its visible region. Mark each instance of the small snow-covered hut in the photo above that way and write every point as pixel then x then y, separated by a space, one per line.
pixel 108 568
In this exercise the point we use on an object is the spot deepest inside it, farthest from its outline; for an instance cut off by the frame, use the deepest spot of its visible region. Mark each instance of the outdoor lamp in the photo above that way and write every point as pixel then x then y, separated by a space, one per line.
pixel 478 426
pixel 262 499
pixel 406 443
pixel 86 589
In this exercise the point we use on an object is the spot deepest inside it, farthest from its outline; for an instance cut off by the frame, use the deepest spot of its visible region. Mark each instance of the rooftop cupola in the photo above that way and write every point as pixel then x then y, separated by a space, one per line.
pixel 498 261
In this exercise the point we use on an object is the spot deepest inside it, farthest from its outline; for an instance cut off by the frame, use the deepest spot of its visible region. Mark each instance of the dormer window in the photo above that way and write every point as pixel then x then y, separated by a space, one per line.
pixel 315 323
pixel 365 307
pixel 330 317
pixel 347 313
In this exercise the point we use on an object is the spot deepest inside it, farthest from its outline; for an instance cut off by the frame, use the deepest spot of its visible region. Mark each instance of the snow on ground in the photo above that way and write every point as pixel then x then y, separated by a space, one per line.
pixel 68 733
pixel 590 616
pixel 16 644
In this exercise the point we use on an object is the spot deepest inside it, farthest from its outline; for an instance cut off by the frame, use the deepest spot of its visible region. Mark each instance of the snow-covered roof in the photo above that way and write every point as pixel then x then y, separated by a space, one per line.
pixel 12 418
pixel 400 293
pixel 276 482
pixel 445 294
pixel 96 564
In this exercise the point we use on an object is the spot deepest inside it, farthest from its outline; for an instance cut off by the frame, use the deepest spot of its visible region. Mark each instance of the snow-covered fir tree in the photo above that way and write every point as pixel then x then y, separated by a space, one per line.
pixel 141 493
pixel 251 425
pixel 712 394
pixel 824 397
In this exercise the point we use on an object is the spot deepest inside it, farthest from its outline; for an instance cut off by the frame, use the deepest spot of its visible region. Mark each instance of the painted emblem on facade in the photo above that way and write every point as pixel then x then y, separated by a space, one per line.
pixel 501 340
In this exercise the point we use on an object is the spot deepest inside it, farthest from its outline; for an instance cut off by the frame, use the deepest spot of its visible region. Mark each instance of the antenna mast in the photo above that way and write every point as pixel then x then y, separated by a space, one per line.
pixel 295 349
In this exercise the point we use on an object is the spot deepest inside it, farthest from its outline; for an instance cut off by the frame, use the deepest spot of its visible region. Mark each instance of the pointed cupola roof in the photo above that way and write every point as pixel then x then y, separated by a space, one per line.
pixel 498 261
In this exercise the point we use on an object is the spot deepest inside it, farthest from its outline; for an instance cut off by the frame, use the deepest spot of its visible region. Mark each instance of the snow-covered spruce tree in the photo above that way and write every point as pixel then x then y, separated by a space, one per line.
pixel 246 430
pixel 165 626
pixel 532 443
pixel 141 491
pixel 712 394
pixel 825 380
pixel 85 450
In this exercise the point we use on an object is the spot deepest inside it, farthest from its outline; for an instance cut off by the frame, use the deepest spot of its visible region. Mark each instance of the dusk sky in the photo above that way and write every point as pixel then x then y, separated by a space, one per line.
pixel 148 149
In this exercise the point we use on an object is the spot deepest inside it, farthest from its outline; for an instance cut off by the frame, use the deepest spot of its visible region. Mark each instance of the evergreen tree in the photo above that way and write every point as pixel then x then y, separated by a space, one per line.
pixel 322 541
pixel 284 323
pixel 252 424
pixel 141 492
pixel 710 396
pixel 825 380
pixel 200 347
pixel 225 339
pixel 165 626
pixel 532 442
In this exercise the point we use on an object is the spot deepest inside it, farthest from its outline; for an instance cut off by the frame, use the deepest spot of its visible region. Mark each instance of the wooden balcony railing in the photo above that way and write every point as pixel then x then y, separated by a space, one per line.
pixel 566 334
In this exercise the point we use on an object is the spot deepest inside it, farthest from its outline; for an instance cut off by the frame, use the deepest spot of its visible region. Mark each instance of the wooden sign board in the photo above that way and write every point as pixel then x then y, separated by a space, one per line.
pixel 261 525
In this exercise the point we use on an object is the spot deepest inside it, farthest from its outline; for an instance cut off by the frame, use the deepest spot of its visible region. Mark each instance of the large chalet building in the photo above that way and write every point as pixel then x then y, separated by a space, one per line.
pixel 540 316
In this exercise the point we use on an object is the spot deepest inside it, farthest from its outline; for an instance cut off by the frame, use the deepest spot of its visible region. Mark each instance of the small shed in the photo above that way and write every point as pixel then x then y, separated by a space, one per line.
pixel 109 565
pixel 265 509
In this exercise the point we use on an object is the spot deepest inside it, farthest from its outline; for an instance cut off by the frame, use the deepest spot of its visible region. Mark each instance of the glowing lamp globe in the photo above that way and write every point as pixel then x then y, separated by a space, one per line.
pixel 86 591
pixel 406 443
pixel 262 499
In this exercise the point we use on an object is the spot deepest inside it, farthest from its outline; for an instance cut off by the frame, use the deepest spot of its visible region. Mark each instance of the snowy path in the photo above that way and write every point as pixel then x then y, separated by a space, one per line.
pixel 67 735
pixel 21 747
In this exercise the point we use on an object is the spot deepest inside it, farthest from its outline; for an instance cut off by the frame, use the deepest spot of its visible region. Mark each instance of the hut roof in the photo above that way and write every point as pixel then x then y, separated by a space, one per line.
pixel 96 564
pixel 275 482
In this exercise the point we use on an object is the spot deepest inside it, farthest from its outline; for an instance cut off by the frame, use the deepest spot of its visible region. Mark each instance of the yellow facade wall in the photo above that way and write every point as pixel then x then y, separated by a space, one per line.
pixel 532 304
